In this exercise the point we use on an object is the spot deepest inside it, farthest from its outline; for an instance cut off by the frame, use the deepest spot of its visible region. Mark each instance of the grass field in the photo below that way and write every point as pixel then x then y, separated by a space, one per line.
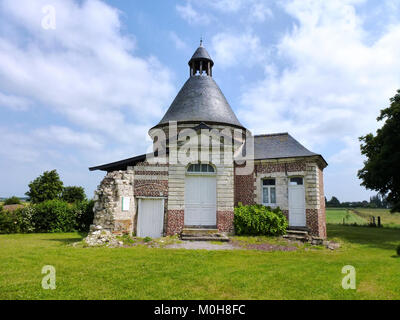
pixel 388 219
pixel 338 215
pixel 361 216
pixel 148 273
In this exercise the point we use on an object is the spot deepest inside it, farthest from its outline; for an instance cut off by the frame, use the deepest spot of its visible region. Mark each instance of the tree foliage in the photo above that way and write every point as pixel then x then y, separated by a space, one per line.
pixel 48 186
pixel 381 171
pixel 12 200
pixel 333 203
pixel 73 194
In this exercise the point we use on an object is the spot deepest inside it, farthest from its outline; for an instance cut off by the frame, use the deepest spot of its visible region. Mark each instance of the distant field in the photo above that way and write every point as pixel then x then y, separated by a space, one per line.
pixel 362 216
pixel 387 219
pixel 340 215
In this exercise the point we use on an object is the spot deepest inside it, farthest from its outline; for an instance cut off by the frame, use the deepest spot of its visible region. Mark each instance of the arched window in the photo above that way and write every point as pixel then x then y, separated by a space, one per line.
pixel 201 168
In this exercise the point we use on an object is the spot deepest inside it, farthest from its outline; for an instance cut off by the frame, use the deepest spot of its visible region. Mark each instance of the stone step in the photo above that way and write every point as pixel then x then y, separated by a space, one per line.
pixel 199 232
pixel 298 232
pixel 214 235
pixel 205 238
pixel 296 237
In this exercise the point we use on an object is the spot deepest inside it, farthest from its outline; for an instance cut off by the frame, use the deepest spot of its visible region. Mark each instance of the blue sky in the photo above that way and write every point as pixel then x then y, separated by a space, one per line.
pixel 86 92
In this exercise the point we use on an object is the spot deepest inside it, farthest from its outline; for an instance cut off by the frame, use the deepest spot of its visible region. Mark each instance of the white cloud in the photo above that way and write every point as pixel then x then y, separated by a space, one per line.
pixel 179 43
pixel 260 11
pixel 89 98
pixel 202 12
pixel 231 49
pixel 334 82
pixel 65 136
pixel 14 102
pixel 192 16
pixel 225 5
pixel 84 70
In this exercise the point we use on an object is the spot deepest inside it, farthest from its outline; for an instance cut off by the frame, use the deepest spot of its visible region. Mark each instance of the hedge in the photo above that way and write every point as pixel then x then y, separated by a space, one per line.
pixel 48 216
pixel 259 220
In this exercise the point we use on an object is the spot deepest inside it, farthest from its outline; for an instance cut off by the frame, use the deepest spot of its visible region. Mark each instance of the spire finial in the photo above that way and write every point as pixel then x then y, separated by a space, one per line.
pixel 201 41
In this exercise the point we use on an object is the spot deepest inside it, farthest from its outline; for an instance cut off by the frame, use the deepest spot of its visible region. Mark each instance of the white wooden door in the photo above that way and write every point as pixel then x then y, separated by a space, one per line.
pixel 150 218
pixel 297 206
pixel 200 200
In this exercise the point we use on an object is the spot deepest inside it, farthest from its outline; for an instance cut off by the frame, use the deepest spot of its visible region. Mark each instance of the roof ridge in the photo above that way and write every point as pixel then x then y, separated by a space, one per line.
pixel 272 134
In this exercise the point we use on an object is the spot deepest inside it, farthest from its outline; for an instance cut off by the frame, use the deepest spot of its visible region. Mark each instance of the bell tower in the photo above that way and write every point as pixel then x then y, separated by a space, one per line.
pixel 201 62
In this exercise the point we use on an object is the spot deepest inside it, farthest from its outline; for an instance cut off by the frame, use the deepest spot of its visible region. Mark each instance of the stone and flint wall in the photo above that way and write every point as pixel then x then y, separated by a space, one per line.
pixel 248 189
pixel 141 181
pixel 108 202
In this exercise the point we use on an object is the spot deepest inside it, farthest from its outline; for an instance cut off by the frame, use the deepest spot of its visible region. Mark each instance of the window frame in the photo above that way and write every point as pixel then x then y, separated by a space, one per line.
pixel 296 184
pixel 201 172
pixel 268 187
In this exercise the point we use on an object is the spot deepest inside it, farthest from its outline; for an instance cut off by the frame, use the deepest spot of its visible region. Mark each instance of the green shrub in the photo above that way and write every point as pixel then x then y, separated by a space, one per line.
pixel 8 222
pixel 398 250
pixel 259 220
pixel 48 216
pixel 54 216
pixel 12 200
pixel 25 218
pixel 83 215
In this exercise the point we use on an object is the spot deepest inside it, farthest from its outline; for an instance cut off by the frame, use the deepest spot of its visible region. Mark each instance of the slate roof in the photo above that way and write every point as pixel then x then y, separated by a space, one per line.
pixel 201 53
pixel 200 100
pixel 279 145
pixel 119 165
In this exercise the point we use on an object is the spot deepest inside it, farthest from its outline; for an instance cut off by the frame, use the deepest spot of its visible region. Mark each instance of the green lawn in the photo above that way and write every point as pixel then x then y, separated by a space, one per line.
pixel 147 273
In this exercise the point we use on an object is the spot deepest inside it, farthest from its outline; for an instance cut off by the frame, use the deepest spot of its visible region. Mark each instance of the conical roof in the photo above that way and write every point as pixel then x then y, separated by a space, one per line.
pixel 200 100
pixel 200 54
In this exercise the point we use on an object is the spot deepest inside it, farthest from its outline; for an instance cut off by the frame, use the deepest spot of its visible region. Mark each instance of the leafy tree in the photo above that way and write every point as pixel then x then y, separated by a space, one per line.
pixel 334 202
pixel 48 186
pixel 73 194
pixel 12 200
pixel 381 171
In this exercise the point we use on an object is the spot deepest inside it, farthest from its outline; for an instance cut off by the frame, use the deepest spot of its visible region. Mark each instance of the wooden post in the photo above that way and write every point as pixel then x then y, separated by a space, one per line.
pixel 379 221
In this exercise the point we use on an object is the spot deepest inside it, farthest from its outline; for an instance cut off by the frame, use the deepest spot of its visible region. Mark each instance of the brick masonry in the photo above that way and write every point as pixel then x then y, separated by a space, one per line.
pixel 244 188
pixel 225 221
pixel 175 221
pixel 248 189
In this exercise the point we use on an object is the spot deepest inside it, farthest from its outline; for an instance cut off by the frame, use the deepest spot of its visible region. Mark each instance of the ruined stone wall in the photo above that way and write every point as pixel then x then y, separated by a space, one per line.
pixel 142 181
pixel 108 202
